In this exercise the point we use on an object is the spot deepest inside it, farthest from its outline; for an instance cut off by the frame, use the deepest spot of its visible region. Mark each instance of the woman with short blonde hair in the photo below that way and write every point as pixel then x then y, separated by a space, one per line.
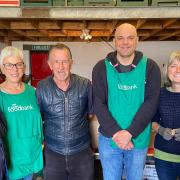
pixel 167 124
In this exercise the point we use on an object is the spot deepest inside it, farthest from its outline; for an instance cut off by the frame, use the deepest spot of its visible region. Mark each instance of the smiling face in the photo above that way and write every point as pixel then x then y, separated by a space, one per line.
pixel 13 68
pixel 126 40
pixel 174 71
pixel 60 63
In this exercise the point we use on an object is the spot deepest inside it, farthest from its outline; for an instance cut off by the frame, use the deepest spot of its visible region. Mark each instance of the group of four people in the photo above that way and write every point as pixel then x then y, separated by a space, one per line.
pixel 124 95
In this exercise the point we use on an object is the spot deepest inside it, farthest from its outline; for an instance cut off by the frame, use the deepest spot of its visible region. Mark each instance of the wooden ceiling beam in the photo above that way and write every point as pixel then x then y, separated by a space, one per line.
pixel 56 33
pixel 143 33
pixel 164 26
pixel 2 33
pixel 22 25
pixel 73 33
pixel 169 36
pixel 98 25
pixel 4 25
pixel 23 34
pixel 30 33
pixel 43 32
pixel 50 25
pixel 175 25
pixel 85 24
pixel 168 23
pixel 100 33
pixel 73 25
pixel 152 25
pixel 112 28
pixel 151 34
pixel 140 23
pixel 37 29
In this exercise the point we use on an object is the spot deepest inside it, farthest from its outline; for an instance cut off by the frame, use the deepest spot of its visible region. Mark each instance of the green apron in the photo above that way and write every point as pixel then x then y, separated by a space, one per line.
pixel 125 96
pixel 24 132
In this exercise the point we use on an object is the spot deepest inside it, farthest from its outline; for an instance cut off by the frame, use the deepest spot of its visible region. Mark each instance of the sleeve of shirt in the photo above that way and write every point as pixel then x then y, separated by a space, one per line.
pixel 38 97
pixel 90 99
pixel 147 110
pixel 2 125
pixel 156 117
pixel 99 81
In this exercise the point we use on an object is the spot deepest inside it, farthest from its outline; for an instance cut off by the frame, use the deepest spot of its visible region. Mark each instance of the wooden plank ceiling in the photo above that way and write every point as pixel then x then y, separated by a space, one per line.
pixel 70 30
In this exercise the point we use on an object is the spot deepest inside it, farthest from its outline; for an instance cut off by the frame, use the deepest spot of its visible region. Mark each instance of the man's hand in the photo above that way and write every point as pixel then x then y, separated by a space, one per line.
pixel 166 133
pixel 129 146
pixel 123 139
pixel 177 134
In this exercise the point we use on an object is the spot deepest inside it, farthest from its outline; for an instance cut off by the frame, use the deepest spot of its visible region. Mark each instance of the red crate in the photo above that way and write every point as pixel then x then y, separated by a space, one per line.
pixel 9 2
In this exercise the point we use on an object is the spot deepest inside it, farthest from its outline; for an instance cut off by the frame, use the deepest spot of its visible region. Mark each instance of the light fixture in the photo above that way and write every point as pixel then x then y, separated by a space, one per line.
pixel 85 35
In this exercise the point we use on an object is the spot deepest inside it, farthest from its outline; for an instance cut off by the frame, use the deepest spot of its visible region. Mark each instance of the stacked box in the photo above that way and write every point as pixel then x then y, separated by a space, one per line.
pixel 75 2
pixel 58 2
pixel 134 3
pixel 36 3
pixel 165 3
pixel 68 2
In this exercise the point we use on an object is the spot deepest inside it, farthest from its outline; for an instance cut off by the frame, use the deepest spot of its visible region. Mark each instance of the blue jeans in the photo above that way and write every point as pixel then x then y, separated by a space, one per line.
pixel 167 170
pixel 115 160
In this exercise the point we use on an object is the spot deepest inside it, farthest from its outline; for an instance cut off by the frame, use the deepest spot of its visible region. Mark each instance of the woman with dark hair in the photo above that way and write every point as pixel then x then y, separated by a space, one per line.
pixel 167 124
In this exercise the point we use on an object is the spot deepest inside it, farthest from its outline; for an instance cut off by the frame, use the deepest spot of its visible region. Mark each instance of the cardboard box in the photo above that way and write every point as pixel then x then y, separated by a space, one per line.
pixel 150 172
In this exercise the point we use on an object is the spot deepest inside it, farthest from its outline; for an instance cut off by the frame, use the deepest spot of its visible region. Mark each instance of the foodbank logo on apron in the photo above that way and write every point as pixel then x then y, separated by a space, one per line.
pixel 15 107
pixel 127 87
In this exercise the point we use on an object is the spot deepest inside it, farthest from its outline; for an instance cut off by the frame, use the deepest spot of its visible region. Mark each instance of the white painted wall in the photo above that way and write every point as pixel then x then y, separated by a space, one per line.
pixel 85 55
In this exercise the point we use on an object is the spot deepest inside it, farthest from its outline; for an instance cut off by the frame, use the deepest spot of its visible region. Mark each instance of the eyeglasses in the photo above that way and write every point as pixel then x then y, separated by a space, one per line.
pixel 10 66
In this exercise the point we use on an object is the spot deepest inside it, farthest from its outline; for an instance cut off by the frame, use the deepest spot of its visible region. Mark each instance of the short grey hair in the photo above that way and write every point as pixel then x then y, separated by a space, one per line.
pixel 10 51
pixel 175 55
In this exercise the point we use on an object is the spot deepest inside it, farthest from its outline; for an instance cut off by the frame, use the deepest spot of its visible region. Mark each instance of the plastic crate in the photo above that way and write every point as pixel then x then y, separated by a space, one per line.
pixel 99 2
pixel 36 3
pixel 165 3
pixel 75 3
pixel 9 3
pixel 68 3
pixel 58 2
pixel 134 3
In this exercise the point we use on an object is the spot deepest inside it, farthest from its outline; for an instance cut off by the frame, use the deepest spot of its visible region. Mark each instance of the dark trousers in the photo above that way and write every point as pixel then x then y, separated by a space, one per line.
pixel 79 166
pixel 2 163
pixel 167 170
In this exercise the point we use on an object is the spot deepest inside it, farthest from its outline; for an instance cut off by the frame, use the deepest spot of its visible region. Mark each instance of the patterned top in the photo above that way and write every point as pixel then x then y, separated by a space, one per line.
pixel 168 116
